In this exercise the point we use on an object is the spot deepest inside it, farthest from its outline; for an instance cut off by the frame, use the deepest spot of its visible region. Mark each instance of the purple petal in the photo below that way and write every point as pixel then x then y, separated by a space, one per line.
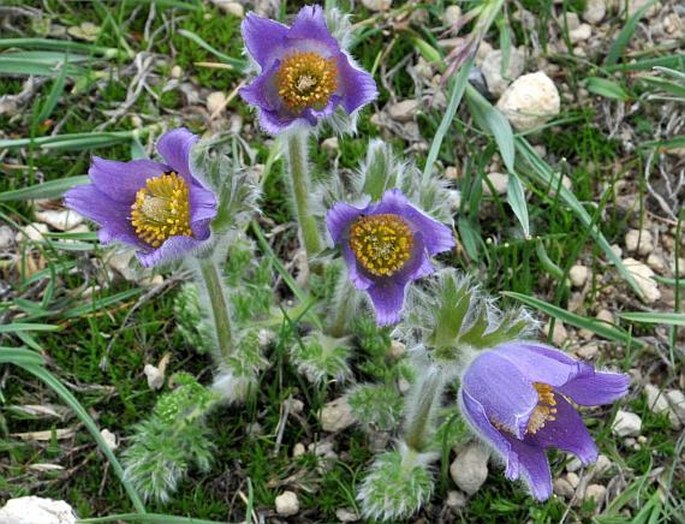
pixel 340 217
pixel 357 86
pixel 203 208
pixel 540 363
pixel 310 24
pixel 263 38
pixel 175 146
pixel 120 181
pixel 171 249
pixel 567 432
pixel 359 280
pixel 474 413
pixel 600 387
pixel 111 216
pixel 388 300
pixel 259 93
pixel 437 237
pixel 507 396
pixel 534 468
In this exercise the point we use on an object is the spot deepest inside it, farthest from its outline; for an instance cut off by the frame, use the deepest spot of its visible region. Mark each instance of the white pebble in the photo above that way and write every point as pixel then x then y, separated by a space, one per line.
pixel 287 504
pixel 578 275
pixel 470 469
pixel 530 101
pixel 626 424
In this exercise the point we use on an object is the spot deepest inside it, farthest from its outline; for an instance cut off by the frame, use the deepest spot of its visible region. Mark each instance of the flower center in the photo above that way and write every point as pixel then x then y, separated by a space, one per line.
pixel 306 79
pixel 382 243
pixel 162 209
pixel 544 411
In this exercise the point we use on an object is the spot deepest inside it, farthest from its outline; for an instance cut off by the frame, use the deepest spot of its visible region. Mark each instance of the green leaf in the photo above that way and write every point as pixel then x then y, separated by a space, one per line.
pixel 51 189
pixel 674 319
pixel 27 326
pixel 539 171
pixel 239 64
pixel 621 42
pixel 76 141
pixel 605 88
pixel 101 303
pixel 602 329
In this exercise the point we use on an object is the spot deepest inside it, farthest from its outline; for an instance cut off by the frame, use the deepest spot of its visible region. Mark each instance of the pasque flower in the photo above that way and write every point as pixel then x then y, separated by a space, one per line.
pixel 386 245
pixel 520 398
pixel 159 208
pixel 304 73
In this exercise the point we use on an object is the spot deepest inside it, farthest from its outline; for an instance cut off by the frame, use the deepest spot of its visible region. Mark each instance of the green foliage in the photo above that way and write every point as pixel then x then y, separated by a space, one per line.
pixel 376 406
pixel 173 440
pixel 321 358
pixel 190 321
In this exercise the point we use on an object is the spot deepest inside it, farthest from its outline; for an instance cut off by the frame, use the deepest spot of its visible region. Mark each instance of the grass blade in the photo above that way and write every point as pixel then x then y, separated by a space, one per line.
pixel 77 141
pixel 674 319
pixel 148 518
pixel 605 88
pixel 51 189
pixel 621 42
pixel 235 62
pixel 542 173
pixel 602 329
pixel 26 326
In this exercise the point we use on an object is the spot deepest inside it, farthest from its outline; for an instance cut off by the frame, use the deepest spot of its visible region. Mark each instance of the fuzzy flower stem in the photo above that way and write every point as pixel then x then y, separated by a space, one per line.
pixel 298 170
pixel 345 305
pixel 218 301
pixel 421 406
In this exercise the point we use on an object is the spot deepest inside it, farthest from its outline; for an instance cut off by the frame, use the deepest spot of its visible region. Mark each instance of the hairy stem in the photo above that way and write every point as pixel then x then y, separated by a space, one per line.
pixel 424 398
pixel 218 301
pixel 344 308
pixel 298 169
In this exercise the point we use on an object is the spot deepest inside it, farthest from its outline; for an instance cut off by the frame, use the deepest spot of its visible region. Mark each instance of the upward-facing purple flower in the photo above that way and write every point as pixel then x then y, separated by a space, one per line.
pixel 160 208
pixel 386 245
pixel 304 73
pixel 520 398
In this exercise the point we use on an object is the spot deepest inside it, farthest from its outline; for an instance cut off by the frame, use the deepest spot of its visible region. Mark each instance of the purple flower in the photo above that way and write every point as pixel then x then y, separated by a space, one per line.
pixel 160 208
pixel 386 245
pixel 520 398
pixel 304 74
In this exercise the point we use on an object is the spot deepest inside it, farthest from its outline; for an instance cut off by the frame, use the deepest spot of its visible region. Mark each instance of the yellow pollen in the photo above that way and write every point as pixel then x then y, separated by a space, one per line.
pixel 382 243
pixel 306 80
pixel 162 209
pixel 545 410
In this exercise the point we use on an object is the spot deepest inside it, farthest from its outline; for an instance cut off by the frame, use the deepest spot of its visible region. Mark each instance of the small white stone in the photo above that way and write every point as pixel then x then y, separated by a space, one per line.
pixel 110 439
pixel 36 510
pixel 656 399
pixel 570 20
pixel 656 262
pixel 403 111
pixel 287 504
pixel 676 399
pixel 330 144
pixel 377 5
pixel 34 232
pixel 580 34
pixel 60 219
pixel 640 241
pixel 578 275
pixel 499 181
pixel 643 275
pixel 562 487
pixel 470 469
pixel 336 415
pixel 588 351
pixel 626 424
pixel 681 267
pixel 155 377
pixel 452 15
pixel 295 405
pixel 231 8
pixel 530 101
pixel 595 11
pixel 574 464
pixel 559 334
pixel 347 515
pixel 602 465
pixel 6 237
pixel 496 80
pixel 176 72
pixel 604 315
pixel 216 103
pixel 595 491
pixel 635 5
pixel 299 449
pixel 573 479
pixel 616 250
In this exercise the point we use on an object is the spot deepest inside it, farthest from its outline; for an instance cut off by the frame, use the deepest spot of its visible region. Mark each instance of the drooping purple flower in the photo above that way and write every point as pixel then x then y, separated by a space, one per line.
pixel 520 398
pixel 304 74
pixel 386 245
pixel 159 208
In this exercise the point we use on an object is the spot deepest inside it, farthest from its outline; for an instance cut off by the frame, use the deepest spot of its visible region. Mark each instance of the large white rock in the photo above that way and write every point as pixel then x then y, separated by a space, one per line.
pixel 36 510
pixel 470 469
pixel 643 275
pixel 530 101
pixel 491 68
pixel 287 504
pixel 60 219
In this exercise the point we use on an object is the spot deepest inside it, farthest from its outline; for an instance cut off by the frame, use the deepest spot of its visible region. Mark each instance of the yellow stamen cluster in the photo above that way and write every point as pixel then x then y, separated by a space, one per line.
pixel 544 411
pixel 306 80
pixel 162 209
pixel 381 243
